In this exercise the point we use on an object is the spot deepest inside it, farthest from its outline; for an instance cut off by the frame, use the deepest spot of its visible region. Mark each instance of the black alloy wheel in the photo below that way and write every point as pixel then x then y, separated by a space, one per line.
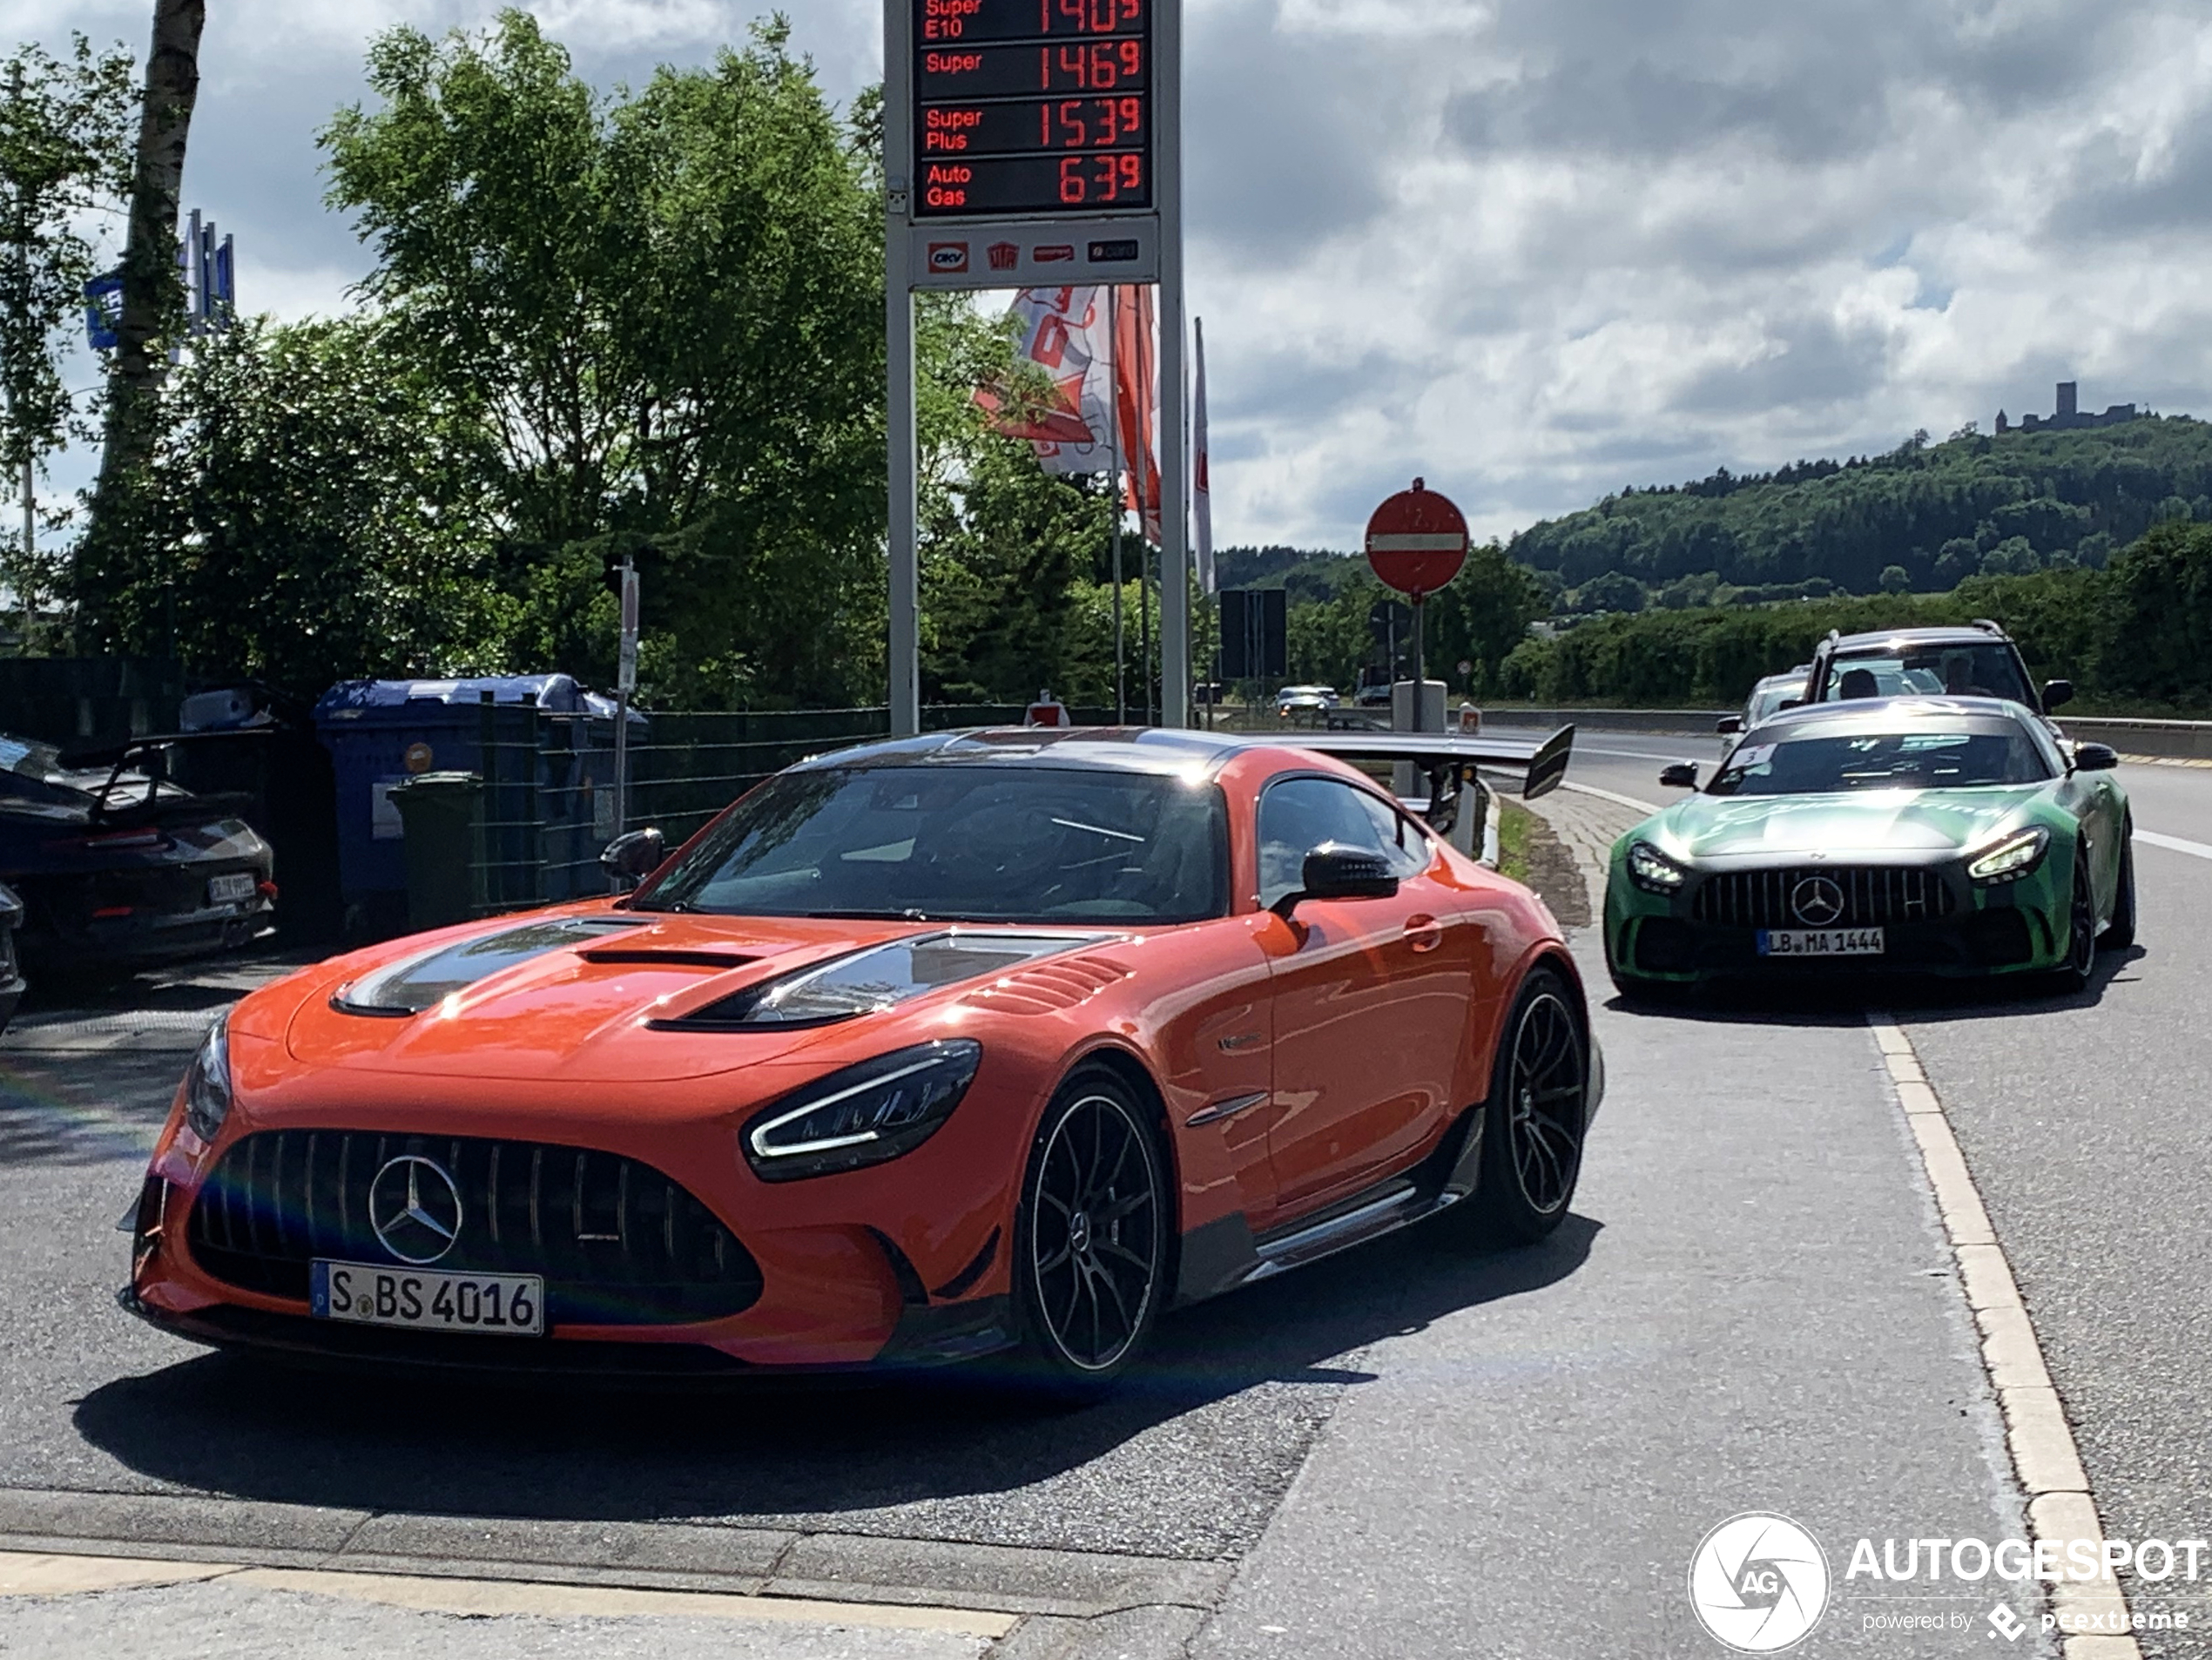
pixel 1095 1222
pixel 2081 930
pixel 2119 932
pixel 1539 1099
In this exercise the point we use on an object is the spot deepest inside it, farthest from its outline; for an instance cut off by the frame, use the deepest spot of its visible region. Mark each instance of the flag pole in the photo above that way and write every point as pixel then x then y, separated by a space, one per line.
pixel 1114 488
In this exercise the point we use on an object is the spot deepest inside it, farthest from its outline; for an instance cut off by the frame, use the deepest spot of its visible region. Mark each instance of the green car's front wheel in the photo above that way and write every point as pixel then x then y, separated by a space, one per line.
pixel 2073 974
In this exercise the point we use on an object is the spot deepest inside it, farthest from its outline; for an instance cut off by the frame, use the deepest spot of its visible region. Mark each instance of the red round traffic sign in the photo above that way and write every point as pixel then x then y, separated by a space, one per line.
pixel 1417 541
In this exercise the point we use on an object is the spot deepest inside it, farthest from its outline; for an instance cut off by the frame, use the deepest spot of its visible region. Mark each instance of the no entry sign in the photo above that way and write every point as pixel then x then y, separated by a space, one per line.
pixel 1417 541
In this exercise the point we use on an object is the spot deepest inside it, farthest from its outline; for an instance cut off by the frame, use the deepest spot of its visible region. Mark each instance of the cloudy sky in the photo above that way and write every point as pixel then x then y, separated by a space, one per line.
pixel 1533 249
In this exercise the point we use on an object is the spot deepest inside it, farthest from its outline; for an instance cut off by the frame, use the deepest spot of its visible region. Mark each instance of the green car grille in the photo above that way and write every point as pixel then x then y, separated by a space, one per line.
pixel 1873 895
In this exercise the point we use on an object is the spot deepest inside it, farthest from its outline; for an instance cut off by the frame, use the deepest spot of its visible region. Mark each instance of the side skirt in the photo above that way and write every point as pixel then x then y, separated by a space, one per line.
pixel 1225 1254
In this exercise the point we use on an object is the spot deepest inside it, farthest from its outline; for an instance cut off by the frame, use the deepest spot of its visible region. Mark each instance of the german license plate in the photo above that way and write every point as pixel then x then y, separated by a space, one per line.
pixel 228 890
pixel 1821 942
pixel 424 1300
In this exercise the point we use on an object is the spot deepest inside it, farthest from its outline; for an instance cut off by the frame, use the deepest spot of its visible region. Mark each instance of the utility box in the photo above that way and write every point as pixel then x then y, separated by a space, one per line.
pixel 1401 719
pixel 444 816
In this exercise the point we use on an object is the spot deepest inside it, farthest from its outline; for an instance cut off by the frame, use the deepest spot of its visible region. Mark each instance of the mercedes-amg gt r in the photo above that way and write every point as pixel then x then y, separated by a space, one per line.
pixel 1947 836
pixel 920 1051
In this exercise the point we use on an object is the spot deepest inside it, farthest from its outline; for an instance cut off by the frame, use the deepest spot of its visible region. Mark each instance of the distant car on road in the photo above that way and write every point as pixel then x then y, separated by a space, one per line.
pixel 11 985
pixel 1946 836
pixel 1979 661
pixel 1371 694
pixel 1767 698
pixel 1305 700
pixel 118 868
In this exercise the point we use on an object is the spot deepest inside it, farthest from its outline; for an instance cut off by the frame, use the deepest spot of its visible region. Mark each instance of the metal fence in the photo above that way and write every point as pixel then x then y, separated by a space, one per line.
pixel 548 797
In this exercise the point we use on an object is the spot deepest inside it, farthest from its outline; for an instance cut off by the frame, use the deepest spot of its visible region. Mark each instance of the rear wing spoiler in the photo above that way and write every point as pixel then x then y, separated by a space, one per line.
pixel 119 757
pixel 1539 765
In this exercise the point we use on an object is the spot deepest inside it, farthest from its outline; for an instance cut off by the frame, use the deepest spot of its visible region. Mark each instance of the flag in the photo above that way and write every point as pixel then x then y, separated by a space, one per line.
pixel 1064 335
pixel 1201 486
pixel 1136 371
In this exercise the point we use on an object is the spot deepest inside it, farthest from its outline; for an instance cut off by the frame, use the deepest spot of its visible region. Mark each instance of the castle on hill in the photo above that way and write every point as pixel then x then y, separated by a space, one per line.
pixel 2069 417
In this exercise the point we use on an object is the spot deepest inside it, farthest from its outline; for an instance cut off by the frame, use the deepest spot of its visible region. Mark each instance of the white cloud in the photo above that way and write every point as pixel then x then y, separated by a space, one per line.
pixel 1531 249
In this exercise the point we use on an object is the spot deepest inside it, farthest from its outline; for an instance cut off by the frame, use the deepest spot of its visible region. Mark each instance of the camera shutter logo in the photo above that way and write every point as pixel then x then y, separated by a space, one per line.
pixel 1817 901
pixel 1758 1583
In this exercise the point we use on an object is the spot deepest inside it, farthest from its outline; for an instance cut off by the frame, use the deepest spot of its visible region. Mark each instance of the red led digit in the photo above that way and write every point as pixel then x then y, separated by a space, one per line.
pixel 1075 62
pixel 1103 75
pixel 1132 172
pixel 1072 181
pixel 1074 132
pixel 1132 59
pixel 1132 114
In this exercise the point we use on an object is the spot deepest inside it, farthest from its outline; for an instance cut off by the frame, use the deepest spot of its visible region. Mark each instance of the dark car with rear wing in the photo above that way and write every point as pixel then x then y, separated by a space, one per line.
pixel 118 868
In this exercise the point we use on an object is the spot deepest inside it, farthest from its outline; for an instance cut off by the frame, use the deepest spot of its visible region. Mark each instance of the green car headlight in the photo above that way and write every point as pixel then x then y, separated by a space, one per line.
pixel 2012 858
pixel 1653 871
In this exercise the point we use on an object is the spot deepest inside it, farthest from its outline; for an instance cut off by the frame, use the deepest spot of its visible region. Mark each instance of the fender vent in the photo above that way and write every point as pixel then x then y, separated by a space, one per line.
pixel 1056 984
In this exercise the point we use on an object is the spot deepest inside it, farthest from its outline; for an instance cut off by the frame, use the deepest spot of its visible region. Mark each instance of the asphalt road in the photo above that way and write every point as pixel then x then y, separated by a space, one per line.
pixel 2082 1121
pixel 1413 1449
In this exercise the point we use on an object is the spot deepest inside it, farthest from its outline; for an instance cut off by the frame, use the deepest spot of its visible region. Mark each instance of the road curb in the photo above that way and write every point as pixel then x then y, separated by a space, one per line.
pixel 2045 1461
pixel 1072 1585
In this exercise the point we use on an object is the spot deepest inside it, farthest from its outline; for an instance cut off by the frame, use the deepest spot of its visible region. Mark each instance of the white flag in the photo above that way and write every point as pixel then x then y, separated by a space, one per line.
pixel 1064 334
pixel 1201 486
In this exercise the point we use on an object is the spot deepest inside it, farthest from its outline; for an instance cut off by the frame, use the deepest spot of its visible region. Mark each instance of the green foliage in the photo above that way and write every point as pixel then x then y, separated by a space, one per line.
pixel 2156 617
pixel 312 514
pixel 66 126
pixel 1937 512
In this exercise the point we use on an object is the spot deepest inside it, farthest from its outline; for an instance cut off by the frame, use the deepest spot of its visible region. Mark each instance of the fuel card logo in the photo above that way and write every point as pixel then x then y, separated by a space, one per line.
pixel 1758 1583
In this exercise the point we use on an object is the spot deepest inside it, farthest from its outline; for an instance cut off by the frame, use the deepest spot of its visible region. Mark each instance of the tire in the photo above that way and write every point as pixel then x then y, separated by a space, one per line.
pixel 2073 974
pixel 2119 932
pixel 1091 1241
pixel 1532 1135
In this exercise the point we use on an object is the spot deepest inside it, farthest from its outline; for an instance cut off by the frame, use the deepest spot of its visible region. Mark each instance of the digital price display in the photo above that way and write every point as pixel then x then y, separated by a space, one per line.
pixel 1040 108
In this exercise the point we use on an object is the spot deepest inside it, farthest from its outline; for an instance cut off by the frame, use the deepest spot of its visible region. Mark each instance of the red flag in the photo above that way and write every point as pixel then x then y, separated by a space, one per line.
pixel 1136 374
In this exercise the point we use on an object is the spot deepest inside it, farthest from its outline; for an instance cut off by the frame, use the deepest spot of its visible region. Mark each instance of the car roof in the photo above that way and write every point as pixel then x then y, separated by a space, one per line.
pixel 1783 679
pixel 1893 712
pixel 1851 644
pixel 1127 749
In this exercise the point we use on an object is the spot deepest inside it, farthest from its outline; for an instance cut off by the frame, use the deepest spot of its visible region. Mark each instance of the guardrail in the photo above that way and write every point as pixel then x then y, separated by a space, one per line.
pixel 2168 739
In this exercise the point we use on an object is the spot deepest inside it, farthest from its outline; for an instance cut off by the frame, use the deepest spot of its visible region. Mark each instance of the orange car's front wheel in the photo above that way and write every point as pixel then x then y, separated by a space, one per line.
pixel 1092 1247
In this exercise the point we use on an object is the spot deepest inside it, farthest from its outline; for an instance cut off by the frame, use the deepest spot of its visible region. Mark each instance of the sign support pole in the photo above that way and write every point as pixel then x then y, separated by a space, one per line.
pixel 1421 661
pixel 899 414
pixel 1175 447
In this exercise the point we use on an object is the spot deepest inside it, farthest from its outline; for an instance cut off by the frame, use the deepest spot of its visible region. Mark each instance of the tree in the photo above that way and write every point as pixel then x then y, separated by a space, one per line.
pixel 65 155
pixel 311 514
pixel 152 300
pixel 1896 579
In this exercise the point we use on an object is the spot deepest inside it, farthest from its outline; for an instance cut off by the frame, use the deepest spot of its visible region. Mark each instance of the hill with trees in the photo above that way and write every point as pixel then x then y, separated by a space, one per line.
pixel 1921 519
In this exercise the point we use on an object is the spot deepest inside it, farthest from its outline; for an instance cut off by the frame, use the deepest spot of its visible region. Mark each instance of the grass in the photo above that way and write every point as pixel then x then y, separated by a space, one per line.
pixel 1515 826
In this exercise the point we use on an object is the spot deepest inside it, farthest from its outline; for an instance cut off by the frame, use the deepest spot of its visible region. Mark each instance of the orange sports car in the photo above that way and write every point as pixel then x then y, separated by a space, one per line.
pixel 921 1050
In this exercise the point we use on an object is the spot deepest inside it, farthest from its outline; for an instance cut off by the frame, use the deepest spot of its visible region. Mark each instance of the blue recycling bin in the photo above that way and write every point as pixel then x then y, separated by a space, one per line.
pixel 544 747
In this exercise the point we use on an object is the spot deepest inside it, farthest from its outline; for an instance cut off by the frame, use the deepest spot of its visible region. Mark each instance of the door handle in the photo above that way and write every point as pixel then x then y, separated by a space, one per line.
pixel 1424 933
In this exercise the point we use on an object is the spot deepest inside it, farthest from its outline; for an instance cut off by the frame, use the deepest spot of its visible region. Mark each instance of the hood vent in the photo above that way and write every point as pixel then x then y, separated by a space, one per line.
pixel 1049 988
pixel 714 962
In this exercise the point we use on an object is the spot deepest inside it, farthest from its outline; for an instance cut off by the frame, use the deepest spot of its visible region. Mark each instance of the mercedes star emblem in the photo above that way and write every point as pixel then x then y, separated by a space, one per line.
pixel 1817 901
pixel 415 1207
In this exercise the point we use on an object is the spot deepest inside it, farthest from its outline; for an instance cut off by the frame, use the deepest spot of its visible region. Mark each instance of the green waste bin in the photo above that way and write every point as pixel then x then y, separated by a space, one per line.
pixel 441 817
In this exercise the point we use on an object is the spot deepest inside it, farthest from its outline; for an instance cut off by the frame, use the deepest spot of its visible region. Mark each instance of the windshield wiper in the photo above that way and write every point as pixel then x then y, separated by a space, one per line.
pixel 906 915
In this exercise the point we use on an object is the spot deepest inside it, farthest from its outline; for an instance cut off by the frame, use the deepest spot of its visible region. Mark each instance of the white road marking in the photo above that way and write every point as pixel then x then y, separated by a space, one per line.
pixel 2173 844
pixel 2045 1458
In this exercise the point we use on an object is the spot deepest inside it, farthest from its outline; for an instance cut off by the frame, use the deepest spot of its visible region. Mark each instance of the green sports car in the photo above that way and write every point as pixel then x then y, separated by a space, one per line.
pixel 1923 835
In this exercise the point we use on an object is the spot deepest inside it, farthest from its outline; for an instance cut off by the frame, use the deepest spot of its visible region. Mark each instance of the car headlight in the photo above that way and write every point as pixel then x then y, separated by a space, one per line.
pixel 864 1115
pixel 207 1086
pixel 2012 858
pixel 1653 871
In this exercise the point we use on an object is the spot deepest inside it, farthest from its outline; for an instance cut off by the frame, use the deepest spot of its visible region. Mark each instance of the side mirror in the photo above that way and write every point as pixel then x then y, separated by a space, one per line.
pixel 1335 871
pixel 2055 693
pixel 631 857
pixel 1682 775
pixel 1793 703
pixel 2095 758
pixel 1729 724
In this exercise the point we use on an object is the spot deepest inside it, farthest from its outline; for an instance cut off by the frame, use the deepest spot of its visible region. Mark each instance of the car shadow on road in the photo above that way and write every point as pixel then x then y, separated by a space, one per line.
pixel 1848 1000
pixel 819 1451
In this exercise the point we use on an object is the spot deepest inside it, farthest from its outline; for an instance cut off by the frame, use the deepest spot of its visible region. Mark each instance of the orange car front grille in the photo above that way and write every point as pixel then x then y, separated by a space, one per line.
pixel 618 1242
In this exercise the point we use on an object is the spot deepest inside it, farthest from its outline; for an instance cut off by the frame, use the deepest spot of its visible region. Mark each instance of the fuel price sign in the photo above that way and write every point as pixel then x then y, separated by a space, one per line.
pixel 1036 109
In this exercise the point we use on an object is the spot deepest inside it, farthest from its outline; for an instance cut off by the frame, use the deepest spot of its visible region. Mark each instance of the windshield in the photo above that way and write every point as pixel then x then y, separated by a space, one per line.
pixel 1830 761
pixel 1767 699
pixel 974 843
pixel 1990 671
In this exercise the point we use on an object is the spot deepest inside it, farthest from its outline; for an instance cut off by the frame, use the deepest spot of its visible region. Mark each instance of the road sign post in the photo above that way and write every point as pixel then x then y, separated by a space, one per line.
pixel 1027 144
pixel 1417 541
